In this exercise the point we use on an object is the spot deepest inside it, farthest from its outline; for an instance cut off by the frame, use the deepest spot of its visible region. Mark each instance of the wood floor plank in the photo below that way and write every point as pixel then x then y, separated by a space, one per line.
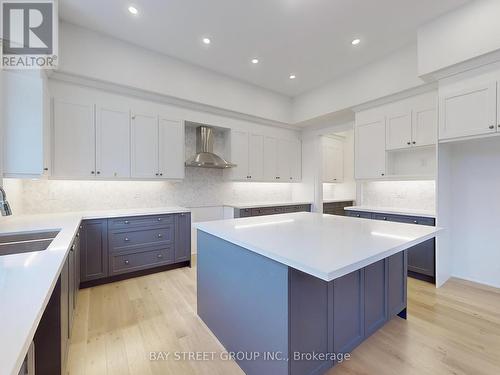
pixel 451 330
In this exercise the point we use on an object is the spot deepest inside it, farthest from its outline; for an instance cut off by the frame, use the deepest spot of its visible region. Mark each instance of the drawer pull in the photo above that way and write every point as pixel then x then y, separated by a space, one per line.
pixel 415 221
pixel 126 239
pixel 73 247
pixel 126 262
pixel 385 218
pixel 160 256
pixel 358 215
pixel 160 235
pixel 159 219
pixel 127 222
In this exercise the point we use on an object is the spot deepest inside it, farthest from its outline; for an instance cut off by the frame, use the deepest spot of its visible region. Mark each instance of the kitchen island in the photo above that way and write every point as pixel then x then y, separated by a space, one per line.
pixel 294 293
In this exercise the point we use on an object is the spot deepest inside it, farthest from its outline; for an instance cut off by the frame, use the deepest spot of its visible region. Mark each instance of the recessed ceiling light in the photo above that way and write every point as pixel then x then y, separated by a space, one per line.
pixel 133 10
pixel 292 76
pixel 255 61
pixel 207 40
pixel 356 41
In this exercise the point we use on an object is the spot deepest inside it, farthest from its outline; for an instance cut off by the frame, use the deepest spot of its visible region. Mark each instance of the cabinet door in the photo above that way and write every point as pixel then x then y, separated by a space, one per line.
pixel 256 157
pixel 296 160
pixel 112 142
pixel 144 143
pixel 239 155
pixel 469 112
pixel 64 313
pixel 375 296
pixel 171 148
pixel 183 237
pixel 94 250
pixel 396 286
pixel 71 288
pixel 370 150
pixel 270 159
pixel 284 160
pixel 74 139
pixel 23 130
pixel 398 130
pixel 333 160
pixel 424 126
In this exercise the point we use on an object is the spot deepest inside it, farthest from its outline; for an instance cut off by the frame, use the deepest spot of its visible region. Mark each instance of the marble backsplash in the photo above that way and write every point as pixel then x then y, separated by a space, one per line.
pixel 399 194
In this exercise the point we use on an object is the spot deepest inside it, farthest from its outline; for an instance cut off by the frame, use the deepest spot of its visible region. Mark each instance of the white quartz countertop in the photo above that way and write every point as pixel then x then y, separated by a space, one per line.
pixel 395 211
pixel 256 205
pixel 27 280
pixel 324 246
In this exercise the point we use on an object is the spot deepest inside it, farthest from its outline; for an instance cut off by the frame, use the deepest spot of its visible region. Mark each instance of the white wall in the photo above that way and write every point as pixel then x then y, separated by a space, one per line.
pixel 474 209
pixel 392 74
pixel 89 54
pixel 465 33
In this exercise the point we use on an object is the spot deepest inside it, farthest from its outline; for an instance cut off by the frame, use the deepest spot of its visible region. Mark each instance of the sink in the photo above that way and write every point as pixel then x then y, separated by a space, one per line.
pixel 25 242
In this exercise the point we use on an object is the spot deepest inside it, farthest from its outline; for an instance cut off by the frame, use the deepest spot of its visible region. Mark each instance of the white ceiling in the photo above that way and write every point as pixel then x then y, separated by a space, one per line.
pixel 310 38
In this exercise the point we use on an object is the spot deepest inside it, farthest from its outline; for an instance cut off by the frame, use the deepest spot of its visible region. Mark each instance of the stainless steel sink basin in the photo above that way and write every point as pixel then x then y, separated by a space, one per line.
pixel 25 242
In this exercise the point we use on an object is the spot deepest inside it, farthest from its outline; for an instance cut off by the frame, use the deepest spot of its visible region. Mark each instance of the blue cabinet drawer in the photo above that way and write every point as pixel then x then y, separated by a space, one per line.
pixel 140 221
pixel 122 239
pixel 360 214
pixel 405 219
pixel 143 259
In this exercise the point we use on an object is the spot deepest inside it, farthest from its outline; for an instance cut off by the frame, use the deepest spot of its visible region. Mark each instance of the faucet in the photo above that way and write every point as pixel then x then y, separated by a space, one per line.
pixel 4 203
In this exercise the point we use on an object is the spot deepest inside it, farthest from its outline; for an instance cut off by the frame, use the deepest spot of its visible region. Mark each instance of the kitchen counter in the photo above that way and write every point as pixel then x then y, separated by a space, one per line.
pixel 260 278
pixel 335 245
pixel 257 205
pixel 28 279
pixel 394 211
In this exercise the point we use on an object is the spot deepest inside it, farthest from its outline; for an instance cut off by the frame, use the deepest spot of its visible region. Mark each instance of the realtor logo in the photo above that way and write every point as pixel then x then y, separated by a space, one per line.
pixel 29 35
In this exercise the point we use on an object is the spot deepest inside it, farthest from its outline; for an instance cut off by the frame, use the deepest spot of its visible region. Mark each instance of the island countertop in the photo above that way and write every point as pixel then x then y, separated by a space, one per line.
pixel 324 246
pixel 28 279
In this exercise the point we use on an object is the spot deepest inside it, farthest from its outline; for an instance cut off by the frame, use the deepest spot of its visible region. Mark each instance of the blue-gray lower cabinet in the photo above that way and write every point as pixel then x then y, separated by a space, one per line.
pixel 422 257
pixel 262 211
pixel 121 247
pixel 254 304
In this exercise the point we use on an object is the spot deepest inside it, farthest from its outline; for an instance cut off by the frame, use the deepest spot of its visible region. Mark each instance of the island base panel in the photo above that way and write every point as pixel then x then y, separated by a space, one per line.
pixel 254 304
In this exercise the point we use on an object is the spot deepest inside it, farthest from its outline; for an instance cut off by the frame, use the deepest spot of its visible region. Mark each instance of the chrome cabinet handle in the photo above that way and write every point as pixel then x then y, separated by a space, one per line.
pixel 161 174
pixel 385 218
pixel 408 143
pixel 159 219
pixel 126 239
pixel 98 172
pixel 414 142
pixel 92 172
pixel 126 262
pixel 415 221
pixel 127 222
pixel 73 247
pixel 160 256
pixel 160 235
pixel 492 127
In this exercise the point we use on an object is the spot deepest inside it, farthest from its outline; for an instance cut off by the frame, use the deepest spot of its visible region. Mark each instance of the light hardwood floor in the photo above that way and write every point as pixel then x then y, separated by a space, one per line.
pixel 451 330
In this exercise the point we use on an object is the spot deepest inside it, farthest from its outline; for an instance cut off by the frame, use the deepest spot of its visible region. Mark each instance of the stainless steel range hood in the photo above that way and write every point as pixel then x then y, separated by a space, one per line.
pixel 205 157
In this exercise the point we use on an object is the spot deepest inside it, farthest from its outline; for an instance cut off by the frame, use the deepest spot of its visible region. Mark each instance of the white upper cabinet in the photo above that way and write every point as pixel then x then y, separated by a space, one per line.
pixel 74 140
pixel 26 124
pixel 112 142
pixel 239 155
pixel 171 148
pixel 264 158
pixel 468 112
pixel 398 130
pixel 370 157
pixel 296 161
pixel 284 160
pixel 144 145
pixel 333 160
pixel 424 126
pixel 270 158
pixel 256 157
